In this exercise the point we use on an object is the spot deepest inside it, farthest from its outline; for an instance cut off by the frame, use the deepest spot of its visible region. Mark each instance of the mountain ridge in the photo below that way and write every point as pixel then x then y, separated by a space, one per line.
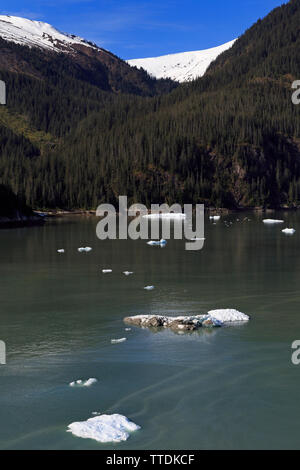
pixel 182 66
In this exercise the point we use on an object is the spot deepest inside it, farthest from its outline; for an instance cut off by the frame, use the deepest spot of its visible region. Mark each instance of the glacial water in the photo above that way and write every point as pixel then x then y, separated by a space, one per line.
pixel 226 388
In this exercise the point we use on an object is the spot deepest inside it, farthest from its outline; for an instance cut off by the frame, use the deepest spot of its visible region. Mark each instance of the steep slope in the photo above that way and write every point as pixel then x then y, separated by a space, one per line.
pixel 27 45
pixel 230 138
pixel 39 34
pixel 181 67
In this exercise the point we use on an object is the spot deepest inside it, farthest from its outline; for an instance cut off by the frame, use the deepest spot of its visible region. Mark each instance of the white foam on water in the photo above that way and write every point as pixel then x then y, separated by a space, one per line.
pixel 272 221
pixel 116 341
pixel 104 428
pixel 228 315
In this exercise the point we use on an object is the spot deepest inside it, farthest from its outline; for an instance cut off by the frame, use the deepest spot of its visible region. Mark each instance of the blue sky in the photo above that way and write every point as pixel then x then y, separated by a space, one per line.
pixel 134 29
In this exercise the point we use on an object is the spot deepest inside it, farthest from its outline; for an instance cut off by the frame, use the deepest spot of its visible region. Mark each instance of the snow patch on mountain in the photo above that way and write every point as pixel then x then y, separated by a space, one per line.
pixel 181 67
pixel 37 34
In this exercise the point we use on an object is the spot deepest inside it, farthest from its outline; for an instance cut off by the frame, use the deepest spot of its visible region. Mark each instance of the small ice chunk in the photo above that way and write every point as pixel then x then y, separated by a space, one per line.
pixel 157 242
pixel 289 231
pixel 83 383
pixel 61 250
pixel 149 287
pixel 272 221
pixel 90 382
pixel 228 315
pixel 84 249
pixel 105 271
pixel 127 329
pixel 116 341
pixel 127 273
pixel 104 428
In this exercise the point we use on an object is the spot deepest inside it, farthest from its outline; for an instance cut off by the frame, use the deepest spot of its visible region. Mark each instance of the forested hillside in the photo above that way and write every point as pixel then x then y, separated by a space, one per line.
pixel 230 139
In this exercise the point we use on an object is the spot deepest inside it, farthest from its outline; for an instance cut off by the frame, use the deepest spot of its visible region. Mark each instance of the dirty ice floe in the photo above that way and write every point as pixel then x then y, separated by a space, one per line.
pixel 105 271
pixel 289 231
pixel 104 428
pixel 214 318
pixel 272 221
pixel 85 249
pixel 160 242
pixel 83 383
pixel 116 341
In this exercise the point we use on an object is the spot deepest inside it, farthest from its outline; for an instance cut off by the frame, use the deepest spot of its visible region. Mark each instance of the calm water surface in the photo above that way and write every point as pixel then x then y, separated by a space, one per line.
pixel 228 388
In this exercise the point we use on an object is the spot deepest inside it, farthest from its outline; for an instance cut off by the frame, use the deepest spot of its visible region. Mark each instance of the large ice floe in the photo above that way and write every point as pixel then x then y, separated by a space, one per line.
pixel 104 428
pixel 214 318
pixel 272 221
pixel 83 383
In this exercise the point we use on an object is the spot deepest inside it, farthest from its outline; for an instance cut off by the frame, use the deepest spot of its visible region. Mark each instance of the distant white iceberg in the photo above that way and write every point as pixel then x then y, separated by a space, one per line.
pixel 149 287
pixel 215 217
pixel 168 215
pixel 116 341
pixel 83 383
pixel 127 273
pixel 61 250
pixel 272 221
pixel 106 271
pixel 228 315
pixel 104 428
pixel 85 249
pixel 289 231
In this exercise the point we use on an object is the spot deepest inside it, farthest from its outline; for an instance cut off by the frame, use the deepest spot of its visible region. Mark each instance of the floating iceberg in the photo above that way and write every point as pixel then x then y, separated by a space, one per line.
pixel 61 250
pixel 228 315
pixel 149 287
pixel 83 383
pixel 127 329
pixel 215 217
pixel 85 249
pixel 168 215
pixel 157 242
pixel 127 273
pixel 104 428
pixel 116 341
pixel 272 221
pixel 289 231
pixel 105 271
pixel 214 318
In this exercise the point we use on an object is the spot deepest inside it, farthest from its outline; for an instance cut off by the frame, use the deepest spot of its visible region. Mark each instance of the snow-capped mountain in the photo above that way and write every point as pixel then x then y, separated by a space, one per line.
pixel 38 34
pixel 181 67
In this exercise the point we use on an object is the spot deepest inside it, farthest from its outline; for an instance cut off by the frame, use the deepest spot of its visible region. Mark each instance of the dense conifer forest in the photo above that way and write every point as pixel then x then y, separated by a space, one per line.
pixel 74 136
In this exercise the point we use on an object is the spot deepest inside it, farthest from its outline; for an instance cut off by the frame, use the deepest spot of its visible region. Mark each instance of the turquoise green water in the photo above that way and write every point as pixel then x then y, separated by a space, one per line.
pixel 228 388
